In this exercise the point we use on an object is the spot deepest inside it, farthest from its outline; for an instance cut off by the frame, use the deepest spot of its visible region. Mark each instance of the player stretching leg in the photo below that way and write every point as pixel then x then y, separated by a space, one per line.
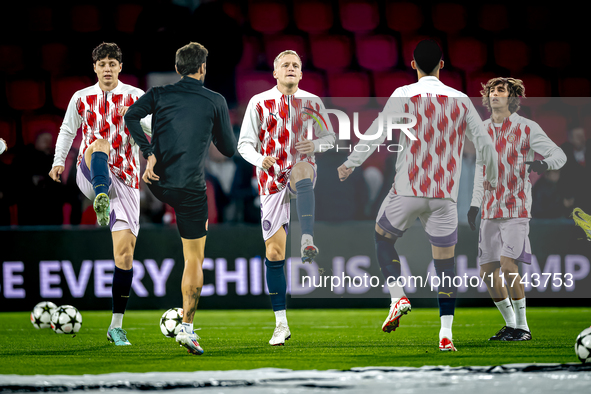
pixel 273 139
pixel 506 209
pixel 107 167
pixel 427 179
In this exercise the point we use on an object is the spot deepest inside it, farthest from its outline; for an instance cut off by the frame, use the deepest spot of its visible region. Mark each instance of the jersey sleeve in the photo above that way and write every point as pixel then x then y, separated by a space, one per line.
pixel 542 144
pixel 248 142
pixel 486 154
pixel 324 132
pixel 478 191
pixel 223 134
pixel 70 125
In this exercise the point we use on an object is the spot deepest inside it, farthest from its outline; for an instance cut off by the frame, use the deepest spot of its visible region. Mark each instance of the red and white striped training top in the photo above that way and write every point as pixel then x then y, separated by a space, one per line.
pixel 273 123
pixel 97 112
pixel 516 141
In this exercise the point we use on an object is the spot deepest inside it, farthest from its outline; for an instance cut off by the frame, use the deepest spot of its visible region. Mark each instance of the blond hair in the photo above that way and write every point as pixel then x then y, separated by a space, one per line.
pixel 515 87
pixel 288 52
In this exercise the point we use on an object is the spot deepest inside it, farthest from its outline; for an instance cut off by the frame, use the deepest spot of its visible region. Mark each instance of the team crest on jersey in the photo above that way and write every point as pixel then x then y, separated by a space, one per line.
pixel 511 138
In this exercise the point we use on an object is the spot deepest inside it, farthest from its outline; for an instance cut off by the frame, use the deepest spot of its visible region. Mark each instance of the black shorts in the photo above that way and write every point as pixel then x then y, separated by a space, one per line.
pixel 190 209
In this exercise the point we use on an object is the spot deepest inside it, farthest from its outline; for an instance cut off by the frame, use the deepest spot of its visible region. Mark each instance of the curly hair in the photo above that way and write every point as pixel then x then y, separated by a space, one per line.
pixel 515 87
pixel 107 50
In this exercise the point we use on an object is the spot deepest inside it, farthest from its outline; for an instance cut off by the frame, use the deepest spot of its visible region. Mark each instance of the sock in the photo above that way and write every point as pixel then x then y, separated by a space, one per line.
pixel 276 283
pixel 281 317
pixel 99 172
pixel 519 309
pixel 121 288
pixel 188 327
pixel 305 205
pixel 445 331
pixel 116 320
pixel 446 296
pixel 506 310
pixel 389 265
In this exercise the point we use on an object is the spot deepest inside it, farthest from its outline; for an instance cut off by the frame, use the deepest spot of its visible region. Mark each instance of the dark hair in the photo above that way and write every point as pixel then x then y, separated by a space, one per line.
pixel 108 50
pixel 515 87
pixel 427 56
pixel 190 57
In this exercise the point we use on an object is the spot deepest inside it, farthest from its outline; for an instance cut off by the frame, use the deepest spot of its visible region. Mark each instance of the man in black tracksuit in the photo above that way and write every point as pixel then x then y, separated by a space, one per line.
pixel 186 118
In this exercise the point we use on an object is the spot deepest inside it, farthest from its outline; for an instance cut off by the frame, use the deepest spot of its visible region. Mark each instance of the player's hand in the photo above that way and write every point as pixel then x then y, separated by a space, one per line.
pixel 123 110
pixel 487 186
pixel 268 162
pixel 56 172
pixel 539 166
pixel 344 172
pixel 305 147
pixel 472 214
pixel 149 172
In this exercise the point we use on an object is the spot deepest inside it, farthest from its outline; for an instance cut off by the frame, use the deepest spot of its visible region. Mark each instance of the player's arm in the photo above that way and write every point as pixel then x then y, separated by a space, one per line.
pixel 223 134
pixel 142 107
pixel 71 123
pixel 248 142
pixel 486 154
pixel 325 133
pixel 554 157
pixel 477 195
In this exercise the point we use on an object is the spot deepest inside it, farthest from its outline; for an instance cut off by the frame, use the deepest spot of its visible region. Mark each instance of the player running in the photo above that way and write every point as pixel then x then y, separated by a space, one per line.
pixel 506 208
pixel 273 139
pixel 427 179
pixel 187 118
pixel 107 167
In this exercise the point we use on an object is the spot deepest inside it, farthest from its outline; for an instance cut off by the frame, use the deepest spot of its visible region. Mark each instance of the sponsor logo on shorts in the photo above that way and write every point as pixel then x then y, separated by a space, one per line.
pixel 266 225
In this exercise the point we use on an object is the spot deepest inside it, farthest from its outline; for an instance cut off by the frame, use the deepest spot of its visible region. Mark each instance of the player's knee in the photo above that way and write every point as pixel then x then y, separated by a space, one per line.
pixel 508 265
pixel 275 254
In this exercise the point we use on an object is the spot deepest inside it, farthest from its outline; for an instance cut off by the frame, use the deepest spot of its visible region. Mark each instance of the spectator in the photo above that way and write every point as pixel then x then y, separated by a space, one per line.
pixel 220 171
pixel 550 200
pixel 576 173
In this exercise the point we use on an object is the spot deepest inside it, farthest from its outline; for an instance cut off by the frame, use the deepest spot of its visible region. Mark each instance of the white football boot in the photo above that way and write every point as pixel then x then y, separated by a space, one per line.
pixel 280 335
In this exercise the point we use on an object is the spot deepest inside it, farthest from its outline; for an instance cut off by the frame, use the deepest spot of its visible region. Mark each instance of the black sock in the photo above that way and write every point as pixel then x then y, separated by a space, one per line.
pixel 276 283
pixel 446 297
pixel 121 288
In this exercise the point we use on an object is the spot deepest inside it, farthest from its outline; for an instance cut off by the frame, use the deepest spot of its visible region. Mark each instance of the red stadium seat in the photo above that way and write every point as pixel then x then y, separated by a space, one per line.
pixel 554 124
pixel 359 16
pixel 575 91
pixel 54 57
pixel 62 89
pixel 276 44
pixel 250 83
pixel 474 81
pixel 251 48
pixel 313 16
pixel 8 132
pixel 234 11
pixel 12 58
pixel 85 18
pixel 313 82
pixel 404 17
pixel 268 17
pixel 493 17
pixel 377 52
pixel 556 54
pixel 512 54
pixel 449 17
pixel 452 79
pixel 385 83
pixel 349 89
pixel 32 125
pixel 331 52
pixel 25 94
pixel 130 79
pixel 468 54
pixel 126 17
pixel 39 18
pixel 537 90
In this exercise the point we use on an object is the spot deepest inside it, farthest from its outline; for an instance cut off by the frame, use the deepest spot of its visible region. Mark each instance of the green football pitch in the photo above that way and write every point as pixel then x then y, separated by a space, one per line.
pixel 321 339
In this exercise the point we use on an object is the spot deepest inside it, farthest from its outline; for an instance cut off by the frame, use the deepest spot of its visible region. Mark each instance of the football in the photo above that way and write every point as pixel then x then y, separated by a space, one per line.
pixel 66 319
pixel 583 346
pixel 41 314
pixel 171 321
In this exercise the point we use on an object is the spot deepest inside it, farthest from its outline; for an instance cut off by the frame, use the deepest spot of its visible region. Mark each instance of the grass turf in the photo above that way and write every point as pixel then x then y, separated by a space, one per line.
pixel 321 339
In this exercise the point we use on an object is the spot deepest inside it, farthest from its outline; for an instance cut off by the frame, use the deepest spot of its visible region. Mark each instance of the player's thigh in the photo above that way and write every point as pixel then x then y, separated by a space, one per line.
pixel 275 213
pixel 489 268
pixel 191 210
pixel 489 241
pixel 440 221
pixel 301 170
pixel 123 247
pixel 125 206
pixel 515 239
pixel 397 213
pixel 275 245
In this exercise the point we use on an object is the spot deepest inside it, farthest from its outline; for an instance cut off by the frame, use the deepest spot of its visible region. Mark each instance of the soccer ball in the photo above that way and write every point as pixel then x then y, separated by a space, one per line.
pixel 41 314
pixel 66 320
pixel 171 322
pixel 583 346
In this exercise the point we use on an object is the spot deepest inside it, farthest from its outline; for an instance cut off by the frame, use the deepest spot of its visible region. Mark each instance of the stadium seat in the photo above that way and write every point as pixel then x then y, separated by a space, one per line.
pixel 331 52
pixel 234 11
pixel 452 79
pixel 268 17
pixel 449 17
pixel 474 81
pixel 556 54
pixel 275 44
pixel 404 17
pixel 8 132
pixel 314 82
pixel 32 125
pixel 250 83
pixel 512 54
pixel 39 18
pixel 349 89
pixel 12 58
pixel 385 83
pixel 251 48
pixel 359 16
pixel 25 94
pixel 62 89
pixel 377 52
pixel 468 54
pixel 554 124
pixel 538 90
pixel 313 16
pixel 575 91
pixel 493 17
pixel 85 18
pixel 126 17
pixel 130 79
pixel 54 57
